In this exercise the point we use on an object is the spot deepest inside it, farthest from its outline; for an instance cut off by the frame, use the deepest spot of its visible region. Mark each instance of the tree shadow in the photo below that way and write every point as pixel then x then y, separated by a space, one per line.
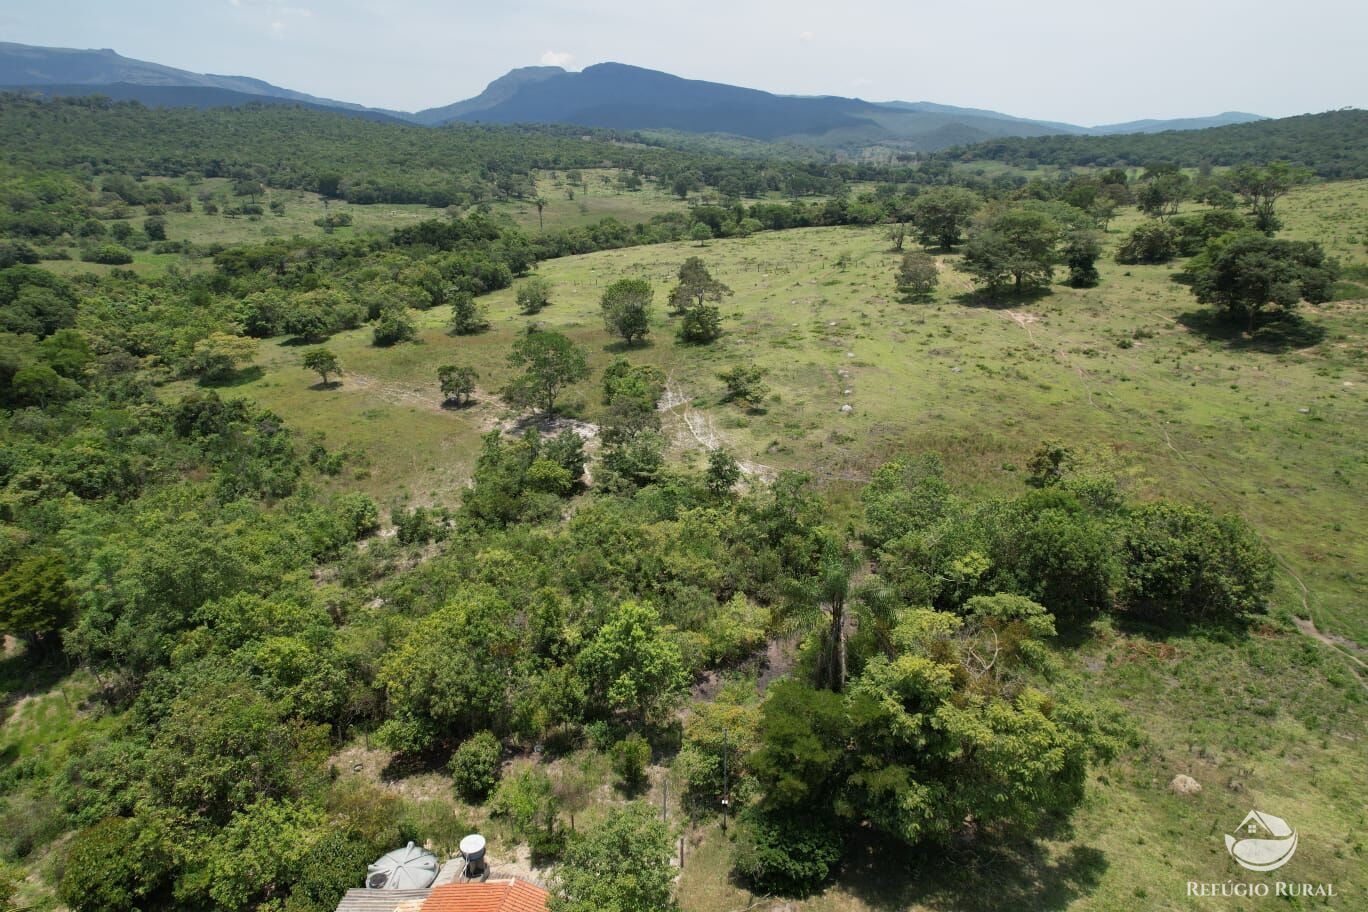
pixel 1003 300
pixel 299 341
pixel 985 877
pixel 453 405
pixel 1286 333
pixel 236 378
pixel 621 346
pixel 331 384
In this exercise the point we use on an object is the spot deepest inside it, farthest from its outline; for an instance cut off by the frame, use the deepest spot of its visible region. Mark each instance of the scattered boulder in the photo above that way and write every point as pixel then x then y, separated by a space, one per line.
pixel 1184 785
pixel 847 408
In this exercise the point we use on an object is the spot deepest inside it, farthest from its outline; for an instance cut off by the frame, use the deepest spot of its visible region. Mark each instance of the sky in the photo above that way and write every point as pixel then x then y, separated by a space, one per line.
pixel 1081 61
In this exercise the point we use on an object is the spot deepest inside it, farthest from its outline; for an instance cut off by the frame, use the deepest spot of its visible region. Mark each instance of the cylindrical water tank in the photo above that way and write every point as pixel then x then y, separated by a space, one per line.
pixel 473 848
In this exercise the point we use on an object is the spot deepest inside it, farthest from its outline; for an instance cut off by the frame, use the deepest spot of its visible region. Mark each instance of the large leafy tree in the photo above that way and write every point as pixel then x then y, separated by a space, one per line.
pixel 1261 186
pixel 626 307
pixel 696 287
pixel 942 214
pixel 621 864
pixel 633 670
pixel 1250 275
pixel 1015 246
pixel 550 362
pixel 35 598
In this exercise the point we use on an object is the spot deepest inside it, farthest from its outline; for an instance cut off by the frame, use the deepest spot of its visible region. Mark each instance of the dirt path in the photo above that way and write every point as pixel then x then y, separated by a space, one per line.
pixel 697 431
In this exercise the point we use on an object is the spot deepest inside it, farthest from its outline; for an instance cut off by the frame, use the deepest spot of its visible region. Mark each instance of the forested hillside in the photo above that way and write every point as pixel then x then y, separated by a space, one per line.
pixel 1333 144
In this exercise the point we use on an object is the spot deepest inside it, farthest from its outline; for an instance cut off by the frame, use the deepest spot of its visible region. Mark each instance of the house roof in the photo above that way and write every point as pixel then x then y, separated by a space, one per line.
pixel 490 896
pixel 363 900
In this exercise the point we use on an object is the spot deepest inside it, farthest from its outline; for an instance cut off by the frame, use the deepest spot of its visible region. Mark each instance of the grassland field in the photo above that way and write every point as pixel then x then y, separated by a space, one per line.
pixel 1132 373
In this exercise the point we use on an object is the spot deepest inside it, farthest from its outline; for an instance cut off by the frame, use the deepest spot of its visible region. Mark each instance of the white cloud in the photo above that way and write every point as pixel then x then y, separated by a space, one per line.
pixel 557 58
pixel 277 30
pixel 805 36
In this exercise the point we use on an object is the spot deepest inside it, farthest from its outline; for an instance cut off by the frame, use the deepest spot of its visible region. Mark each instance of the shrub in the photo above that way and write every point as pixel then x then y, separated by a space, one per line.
pixel 1183 563
pixel 630 758
pixel 789 856
pixel 1150 242
pixel 393 327
pixel 475 766
pixel 113 866
pixel 528 803
pixel 534 295
pixel 109 255
pixel 358 512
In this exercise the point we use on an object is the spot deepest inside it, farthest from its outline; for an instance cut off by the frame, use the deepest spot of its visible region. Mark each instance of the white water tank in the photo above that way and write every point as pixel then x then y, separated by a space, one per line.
pixel 409 868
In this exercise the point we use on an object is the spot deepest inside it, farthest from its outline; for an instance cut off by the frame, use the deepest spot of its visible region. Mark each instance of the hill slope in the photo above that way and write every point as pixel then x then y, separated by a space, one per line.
pixel 72 70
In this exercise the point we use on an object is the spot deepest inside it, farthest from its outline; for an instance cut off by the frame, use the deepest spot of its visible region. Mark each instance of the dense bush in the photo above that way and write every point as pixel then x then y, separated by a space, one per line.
pixel 475 766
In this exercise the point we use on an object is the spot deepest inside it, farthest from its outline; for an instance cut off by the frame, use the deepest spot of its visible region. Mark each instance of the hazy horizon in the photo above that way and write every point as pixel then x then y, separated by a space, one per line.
pixel 1046 62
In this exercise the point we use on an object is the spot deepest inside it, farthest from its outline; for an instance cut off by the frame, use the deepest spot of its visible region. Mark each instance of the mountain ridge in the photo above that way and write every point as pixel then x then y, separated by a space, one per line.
pixel 609 94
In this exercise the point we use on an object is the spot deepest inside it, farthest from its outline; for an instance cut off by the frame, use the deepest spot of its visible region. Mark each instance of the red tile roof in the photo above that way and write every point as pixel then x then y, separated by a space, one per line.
pixel 491 896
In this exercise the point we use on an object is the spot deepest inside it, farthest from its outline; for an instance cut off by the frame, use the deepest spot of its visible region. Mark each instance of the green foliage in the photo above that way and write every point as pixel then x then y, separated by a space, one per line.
pixel 534 295
pixel 745 385
pixel 1261 187
pixel 1080 254
pixel 942 214
pixel 918 276
pixel 1183 564
pixel 109 255
pixel 394 326
pixel 1248 275
pixel 322 362
pixel 626 307
pixel 115 865
pixel 633 672
pixel 1149 242
pixel 448 679
pixel 457 383
pixel 467 316
pixel 621 864
pixel 549 362
pixel 35 597
pixel 722 473
pixel 475 766
pixel 527 802
pixel 696 287
pixel 219 355
pixel 1015 245
pixel 631 756
pixel 701 324
pixel 791 855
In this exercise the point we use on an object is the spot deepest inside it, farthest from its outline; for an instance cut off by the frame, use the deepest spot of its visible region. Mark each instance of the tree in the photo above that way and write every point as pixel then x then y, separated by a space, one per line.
pixel 115 865
pixel 621 864
pixel 626 307
pixel 322 362
pixel 154 226
pixel 702 324
pixel 1182 563
pixel 549 362
pixel 745 385
pixel 1081 251
pixel 631 756
pixel 632 669
pixel 1249 274
pixel 918 275
pixel 475 766
pixel 723 472
pixel 696 287
pixel 529 803
pixel 897 234
pixel 701 232
pixel 1163 192
pixel 218 355
pixel 467 316
pixel 1150 242
pixel 35 598
pixel 1016 245
pixel 457 383
pixel 1261 187
pixel 534 295
pixel 540 203
pixel 393 326
pixel 941 214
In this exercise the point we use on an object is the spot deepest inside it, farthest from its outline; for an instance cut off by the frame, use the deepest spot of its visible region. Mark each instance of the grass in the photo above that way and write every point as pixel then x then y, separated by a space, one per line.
pixel 1272 427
